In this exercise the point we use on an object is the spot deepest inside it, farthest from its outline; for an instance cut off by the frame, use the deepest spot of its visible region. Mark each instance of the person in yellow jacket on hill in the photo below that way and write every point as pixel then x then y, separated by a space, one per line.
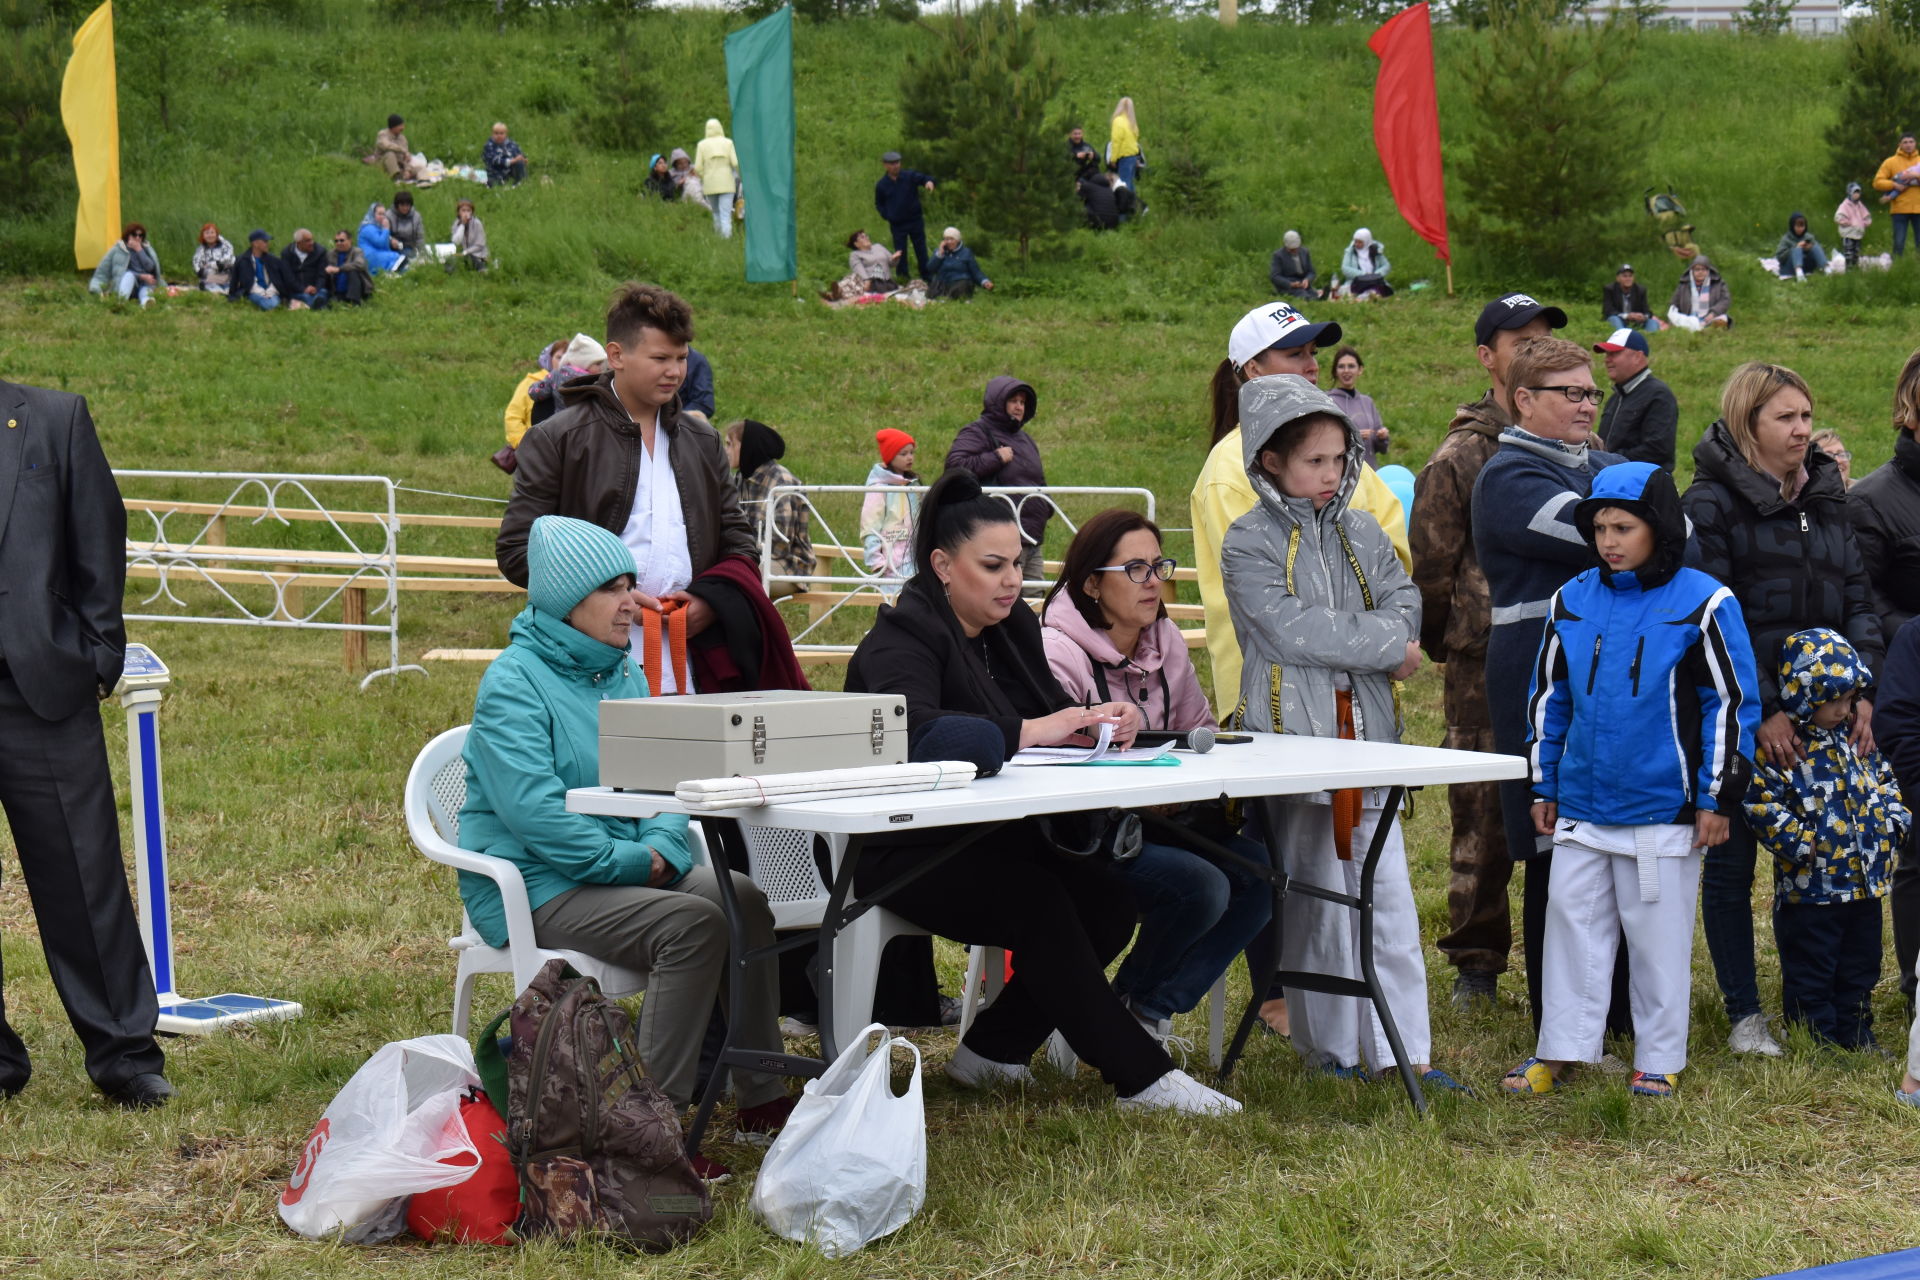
pixel 719 168
pixel 1272 338
pixel 1123 145
pixel 1903 200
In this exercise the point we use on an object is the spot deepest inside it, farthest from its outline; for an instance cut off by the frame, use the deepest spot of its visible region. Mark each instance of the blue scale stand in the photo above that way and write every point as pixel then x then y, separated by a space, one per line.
pixel 140 692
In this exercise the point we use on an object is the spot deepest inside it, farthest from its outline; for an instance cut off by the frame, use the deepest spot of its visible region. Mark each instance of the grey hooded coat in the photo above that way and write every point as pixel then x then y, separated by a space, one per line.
pixel 1309 627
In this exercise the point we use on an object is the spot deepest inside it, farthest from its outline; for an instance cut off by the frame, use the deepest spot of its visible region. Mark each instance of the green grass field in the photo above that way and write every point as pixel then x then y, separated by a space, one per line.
pixel 293 874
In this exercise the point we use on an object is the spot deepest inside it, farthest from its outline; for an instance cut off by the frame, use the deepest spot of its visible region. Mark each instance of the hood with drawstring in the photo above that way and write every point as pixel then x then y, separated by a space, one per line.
pixel 1319 600
pixel 1157 677
pixel 977 448
pixel 1834 820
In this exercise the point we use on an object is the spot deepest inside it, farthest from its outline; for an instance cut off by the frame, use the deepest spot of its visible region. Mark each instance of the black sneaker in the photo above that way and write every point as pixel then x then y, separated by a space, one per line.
pixel 1475 986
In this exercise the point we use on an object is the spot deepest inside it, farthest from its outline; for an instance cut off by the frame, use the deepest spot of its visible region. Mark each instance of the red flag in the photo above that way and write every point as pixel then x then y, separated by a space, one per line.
pixel 1406 123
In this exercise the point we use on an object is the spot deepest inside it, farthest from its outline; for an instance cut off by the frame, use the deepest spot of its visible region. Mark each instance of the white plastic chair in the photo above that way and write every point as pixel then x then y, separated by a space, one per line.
pixel 436 789
pixel 781 862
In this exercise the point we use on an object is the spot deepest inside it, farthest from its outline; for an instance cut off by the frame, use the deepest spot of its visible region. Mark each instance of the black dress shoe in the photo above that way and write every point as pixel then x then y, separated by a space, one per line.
pixel 143 1092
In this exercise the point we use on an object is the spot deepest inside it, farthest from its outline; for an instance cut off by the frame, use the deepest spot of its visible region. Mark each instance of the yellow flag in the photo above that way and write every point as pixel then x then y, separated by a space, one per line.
pixel 89 104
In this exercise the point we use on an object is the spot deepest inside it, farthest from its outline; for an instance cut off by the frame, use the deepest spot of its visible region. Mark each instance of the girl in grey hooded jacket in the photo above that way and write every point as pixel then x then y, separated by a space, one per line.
pixel 1322 608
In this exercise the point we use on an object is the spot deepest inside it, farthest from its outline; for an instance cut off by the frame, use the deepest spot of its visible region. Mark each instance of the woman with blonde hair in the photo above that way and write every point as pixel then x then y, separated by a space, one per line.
pixel 1769 517
pixel 1123 144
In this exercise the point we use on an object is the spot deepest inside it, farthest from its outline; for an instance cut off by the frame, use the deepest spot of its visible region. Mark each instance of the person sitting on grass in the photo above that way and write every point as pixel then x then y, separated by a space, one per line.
pixel 506 162
pixel 1832 821
pixel 1329 622
pixel 129 268
pixel 262 279
pixel 213 259
pixel 1799 251
pixel 1700 300
pixel 391 151
pixel 754 450
pixel 1364 266
pixel 1107 636
pixel 1638 752
pixel 408 227
pixel 1291 269
pixel 871 265
pixel 954 272
pixel 350 279
pixel 659 184
pixel 306 264
pixel 469 237
pixel 384 253
pixel 626 890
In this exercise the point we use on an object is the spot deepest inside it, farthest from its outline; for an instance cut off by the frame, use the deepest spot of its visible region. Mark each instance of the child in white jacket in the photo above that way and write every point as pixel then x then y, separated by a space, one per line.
pixel 1852 218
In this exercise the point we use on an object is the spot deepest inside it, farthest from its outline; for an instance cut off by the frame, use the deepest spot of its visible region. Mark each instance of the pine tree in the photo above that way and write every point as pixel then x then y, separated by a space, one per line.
pixel 33 142
pixel 975 111
pixel 1879 100
pixel 1556 135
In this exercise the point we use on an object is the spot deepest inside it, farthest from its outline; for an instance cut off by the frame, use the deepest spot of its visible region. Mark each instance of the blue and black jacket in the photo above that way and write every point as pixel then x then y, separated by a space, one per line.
pixel 1643 707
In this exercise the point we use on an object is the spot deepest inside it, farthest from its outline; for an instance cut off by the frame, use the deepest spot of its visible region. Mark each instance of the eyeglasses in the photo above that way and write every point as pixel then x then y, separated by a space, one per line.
pixel 1142 571
pixel 1574 395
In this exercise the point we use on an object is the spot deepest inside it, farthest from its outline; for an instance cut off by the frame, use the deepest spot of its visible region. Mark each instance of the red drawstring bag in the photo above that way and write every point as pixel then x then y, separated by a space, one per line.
pixel 483 1209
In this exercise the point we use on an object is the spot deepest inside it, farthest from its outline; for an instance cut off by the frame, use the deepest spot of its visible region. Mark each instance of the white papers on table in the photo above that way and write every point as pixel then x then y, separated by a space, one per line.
pixel 742 792
pixel 1101 752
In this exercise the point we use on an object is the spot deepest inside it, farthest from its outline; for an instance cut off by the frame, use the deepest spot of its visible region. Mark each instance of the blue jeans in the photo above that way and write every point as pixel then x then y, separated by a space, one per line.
pixel 1128 167
pixel 723 213
pixel 1810 259
pixel 132 286
pixel 1726 916
pixel 1195 917
pixel 1901 223
pixel 1652 323
pixel 264 303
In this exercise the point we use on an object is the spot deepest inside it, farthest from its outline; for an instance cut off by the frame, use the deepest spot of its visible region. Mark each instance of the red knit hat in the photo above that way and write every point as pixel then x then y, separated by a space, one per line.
pixel 891 443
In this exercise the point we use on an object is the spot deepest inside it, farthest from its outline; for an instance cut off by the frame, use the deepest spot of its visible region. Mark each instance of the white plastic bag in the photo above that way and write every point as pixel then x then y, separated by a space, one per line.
pixel 382 1139
pixel 851 1164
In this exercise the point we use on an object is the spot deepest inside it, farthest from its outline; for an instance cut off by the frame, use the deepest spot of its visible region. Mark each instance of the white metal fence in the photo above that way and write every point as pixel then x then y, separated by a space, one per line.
pixel 200 575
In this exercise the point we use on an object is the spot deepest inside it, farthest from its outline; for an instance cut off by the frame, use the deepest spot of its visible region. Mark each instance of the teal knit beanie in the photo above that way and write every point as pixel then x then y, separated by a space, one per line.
pixel 568 560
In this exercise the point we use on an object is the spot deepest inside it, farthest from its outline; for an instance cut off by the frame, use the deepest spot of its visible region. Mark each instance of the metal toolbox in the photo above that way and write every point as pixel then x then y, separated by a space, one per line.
pixel 655 744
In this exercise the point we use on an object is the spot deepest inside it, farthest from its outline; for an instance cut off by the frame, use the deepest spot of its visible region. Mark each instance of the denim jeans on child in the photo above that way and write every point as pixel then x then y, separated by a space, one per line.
pixel 1195 917
pixel 1726 916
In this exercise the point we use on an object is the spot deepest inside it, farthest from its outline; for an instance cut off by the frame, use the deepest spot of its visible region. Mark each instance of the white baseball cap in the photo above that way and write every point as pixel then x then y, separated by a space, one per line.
pixel 1276 324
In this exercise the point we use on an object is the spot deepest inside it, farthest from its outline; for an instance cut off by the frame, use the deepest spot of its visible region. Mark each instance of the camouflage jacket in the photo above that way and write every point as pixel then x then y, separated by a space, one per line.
pixel 1455 612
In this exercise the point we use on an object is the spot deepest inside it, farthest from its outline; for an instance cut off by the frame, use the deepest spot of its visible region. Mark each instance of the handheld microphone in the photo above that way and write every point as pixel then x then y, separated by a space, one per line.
pixel 1200 741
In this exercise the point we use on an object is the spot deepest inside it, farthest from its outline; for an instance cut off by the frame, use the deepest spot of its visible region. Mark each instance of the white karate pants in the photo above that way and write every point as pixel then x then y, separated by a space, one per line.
pixel 1322 937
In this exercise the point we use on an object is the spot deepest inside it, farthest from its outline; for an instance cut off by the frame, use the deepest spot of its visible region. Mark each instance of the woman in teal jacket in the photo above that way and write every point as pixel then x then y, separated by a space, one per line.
pixel 620 889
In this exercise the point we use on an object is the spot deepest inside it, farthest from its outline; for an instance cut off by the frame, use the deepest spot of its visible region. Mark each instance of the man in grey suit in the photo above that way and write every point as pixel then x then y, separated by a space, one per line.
pixel 62 570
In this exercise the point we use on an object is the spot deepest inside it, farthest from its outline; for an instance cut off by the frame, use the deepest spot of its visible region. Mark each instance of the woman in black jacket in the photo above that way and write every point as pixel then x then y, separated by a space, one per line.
pixel 967 655
pixel 1770 521
pixel 1885 507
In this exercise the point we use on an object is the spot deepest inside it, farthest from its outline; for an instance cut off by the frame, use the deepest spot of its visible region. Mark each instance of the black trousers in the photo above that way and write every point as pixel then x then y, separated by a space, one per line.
pixel 914 234
pixel 1829 963
pixel 1064 918
pixel 1903 904
pixel 58 798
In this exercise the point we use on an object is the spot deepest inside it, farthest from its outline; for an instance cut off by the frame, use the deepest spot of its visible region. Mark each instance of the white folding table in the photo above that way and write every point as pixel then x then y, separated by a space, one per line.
pixel 1270 765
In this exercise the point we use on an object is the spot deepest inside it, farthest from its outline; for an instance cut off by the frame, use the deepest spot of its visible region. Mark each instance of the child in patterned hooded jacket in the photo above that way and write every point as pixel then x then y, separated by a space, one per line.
pixel 1832 819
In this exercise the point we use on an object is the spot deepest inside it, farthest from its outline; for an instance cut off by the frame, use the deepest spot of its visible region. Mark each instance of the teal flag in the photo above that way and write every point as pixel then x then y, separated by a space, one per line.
pixel 760 91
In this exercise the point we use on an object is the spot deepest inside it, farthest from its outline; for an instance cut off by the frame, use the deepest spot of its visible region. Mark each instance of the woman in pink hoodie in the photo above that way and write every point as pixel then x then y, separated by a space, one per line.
pixel 1108 639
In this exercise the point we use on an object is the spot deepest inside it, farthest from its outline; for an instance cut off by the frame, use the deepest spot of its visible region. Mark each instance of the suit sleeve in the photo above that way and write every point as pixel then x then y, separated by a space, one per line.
pixel 1728 716
pixel 96 537
pixel 1549 708
pixel 536 493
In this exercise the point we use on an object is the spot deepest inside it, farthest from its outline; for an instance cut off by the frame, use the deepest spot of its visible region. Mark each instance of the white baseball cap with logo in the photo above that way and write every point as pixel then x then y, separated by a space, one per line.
pixel 1276 324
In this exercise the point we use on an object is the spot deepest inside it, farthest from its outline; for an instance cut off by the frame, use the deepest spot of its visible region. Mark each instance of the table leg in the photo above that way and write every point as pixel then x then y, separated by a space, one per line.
pixel 1379 997
pixel 830 924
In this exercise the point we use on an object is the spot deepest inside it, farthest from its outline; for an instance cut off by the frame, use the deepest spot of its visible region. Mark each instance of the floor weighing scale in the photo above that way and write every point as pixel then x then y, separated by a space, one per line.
pixel 140 692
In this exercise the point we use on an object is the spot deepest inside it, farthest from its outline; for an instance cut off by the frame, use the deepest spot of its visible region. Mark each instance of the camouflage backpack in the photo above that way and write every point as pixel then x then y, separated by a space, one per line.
pixel 596 1143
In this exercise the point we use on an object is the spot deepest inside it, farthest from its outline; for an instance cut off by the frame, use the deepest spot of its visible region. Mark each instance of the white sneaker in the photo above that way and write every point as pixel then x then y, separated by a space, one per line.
pixel 969 1068
pixel 1750 1035
pixel 1178 1091
pixel 1161 1029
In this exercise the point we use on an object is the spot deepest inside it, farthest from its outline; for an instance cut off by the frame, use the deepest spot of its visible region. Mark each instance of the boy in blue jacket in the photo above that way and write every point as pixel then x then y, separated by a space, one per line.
pixel 1640 732
pixel 1832 820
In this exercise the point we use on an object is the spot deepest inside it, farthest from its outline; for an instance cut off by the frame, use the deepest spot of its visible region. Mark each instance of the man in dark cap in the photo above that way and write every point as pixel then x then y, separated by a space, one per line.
pixel 262 279
pixel 1455 618
pixel 390 149
pixel 896 197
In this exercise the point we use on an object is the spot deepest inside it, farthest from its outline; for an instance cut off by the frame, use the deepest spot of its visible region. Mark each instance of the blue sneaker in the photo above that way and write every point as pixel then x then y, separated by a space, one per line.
pixel 1435 1078
pixel 1339 1072
pixel 1911 1099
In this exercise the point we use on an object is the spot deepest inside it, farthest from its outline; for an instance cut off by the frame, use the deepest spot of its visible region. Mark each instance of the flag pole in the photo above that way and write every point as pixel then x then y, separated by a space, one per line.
pixel 1449 277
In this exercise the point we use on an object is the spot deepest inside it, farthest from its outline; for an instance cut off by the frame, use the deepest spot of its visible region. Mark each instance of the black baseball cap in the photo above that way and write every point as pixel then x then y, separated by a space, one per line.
pixel 1510 311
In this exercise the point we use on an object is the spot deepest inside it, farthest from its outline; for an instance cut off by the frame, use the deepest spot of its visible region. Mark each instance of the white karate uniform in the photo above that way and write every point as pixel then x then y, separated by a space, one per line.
pixel 1606 880
pixel 1913 1043
pixel 1323 937
pixel 656 534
